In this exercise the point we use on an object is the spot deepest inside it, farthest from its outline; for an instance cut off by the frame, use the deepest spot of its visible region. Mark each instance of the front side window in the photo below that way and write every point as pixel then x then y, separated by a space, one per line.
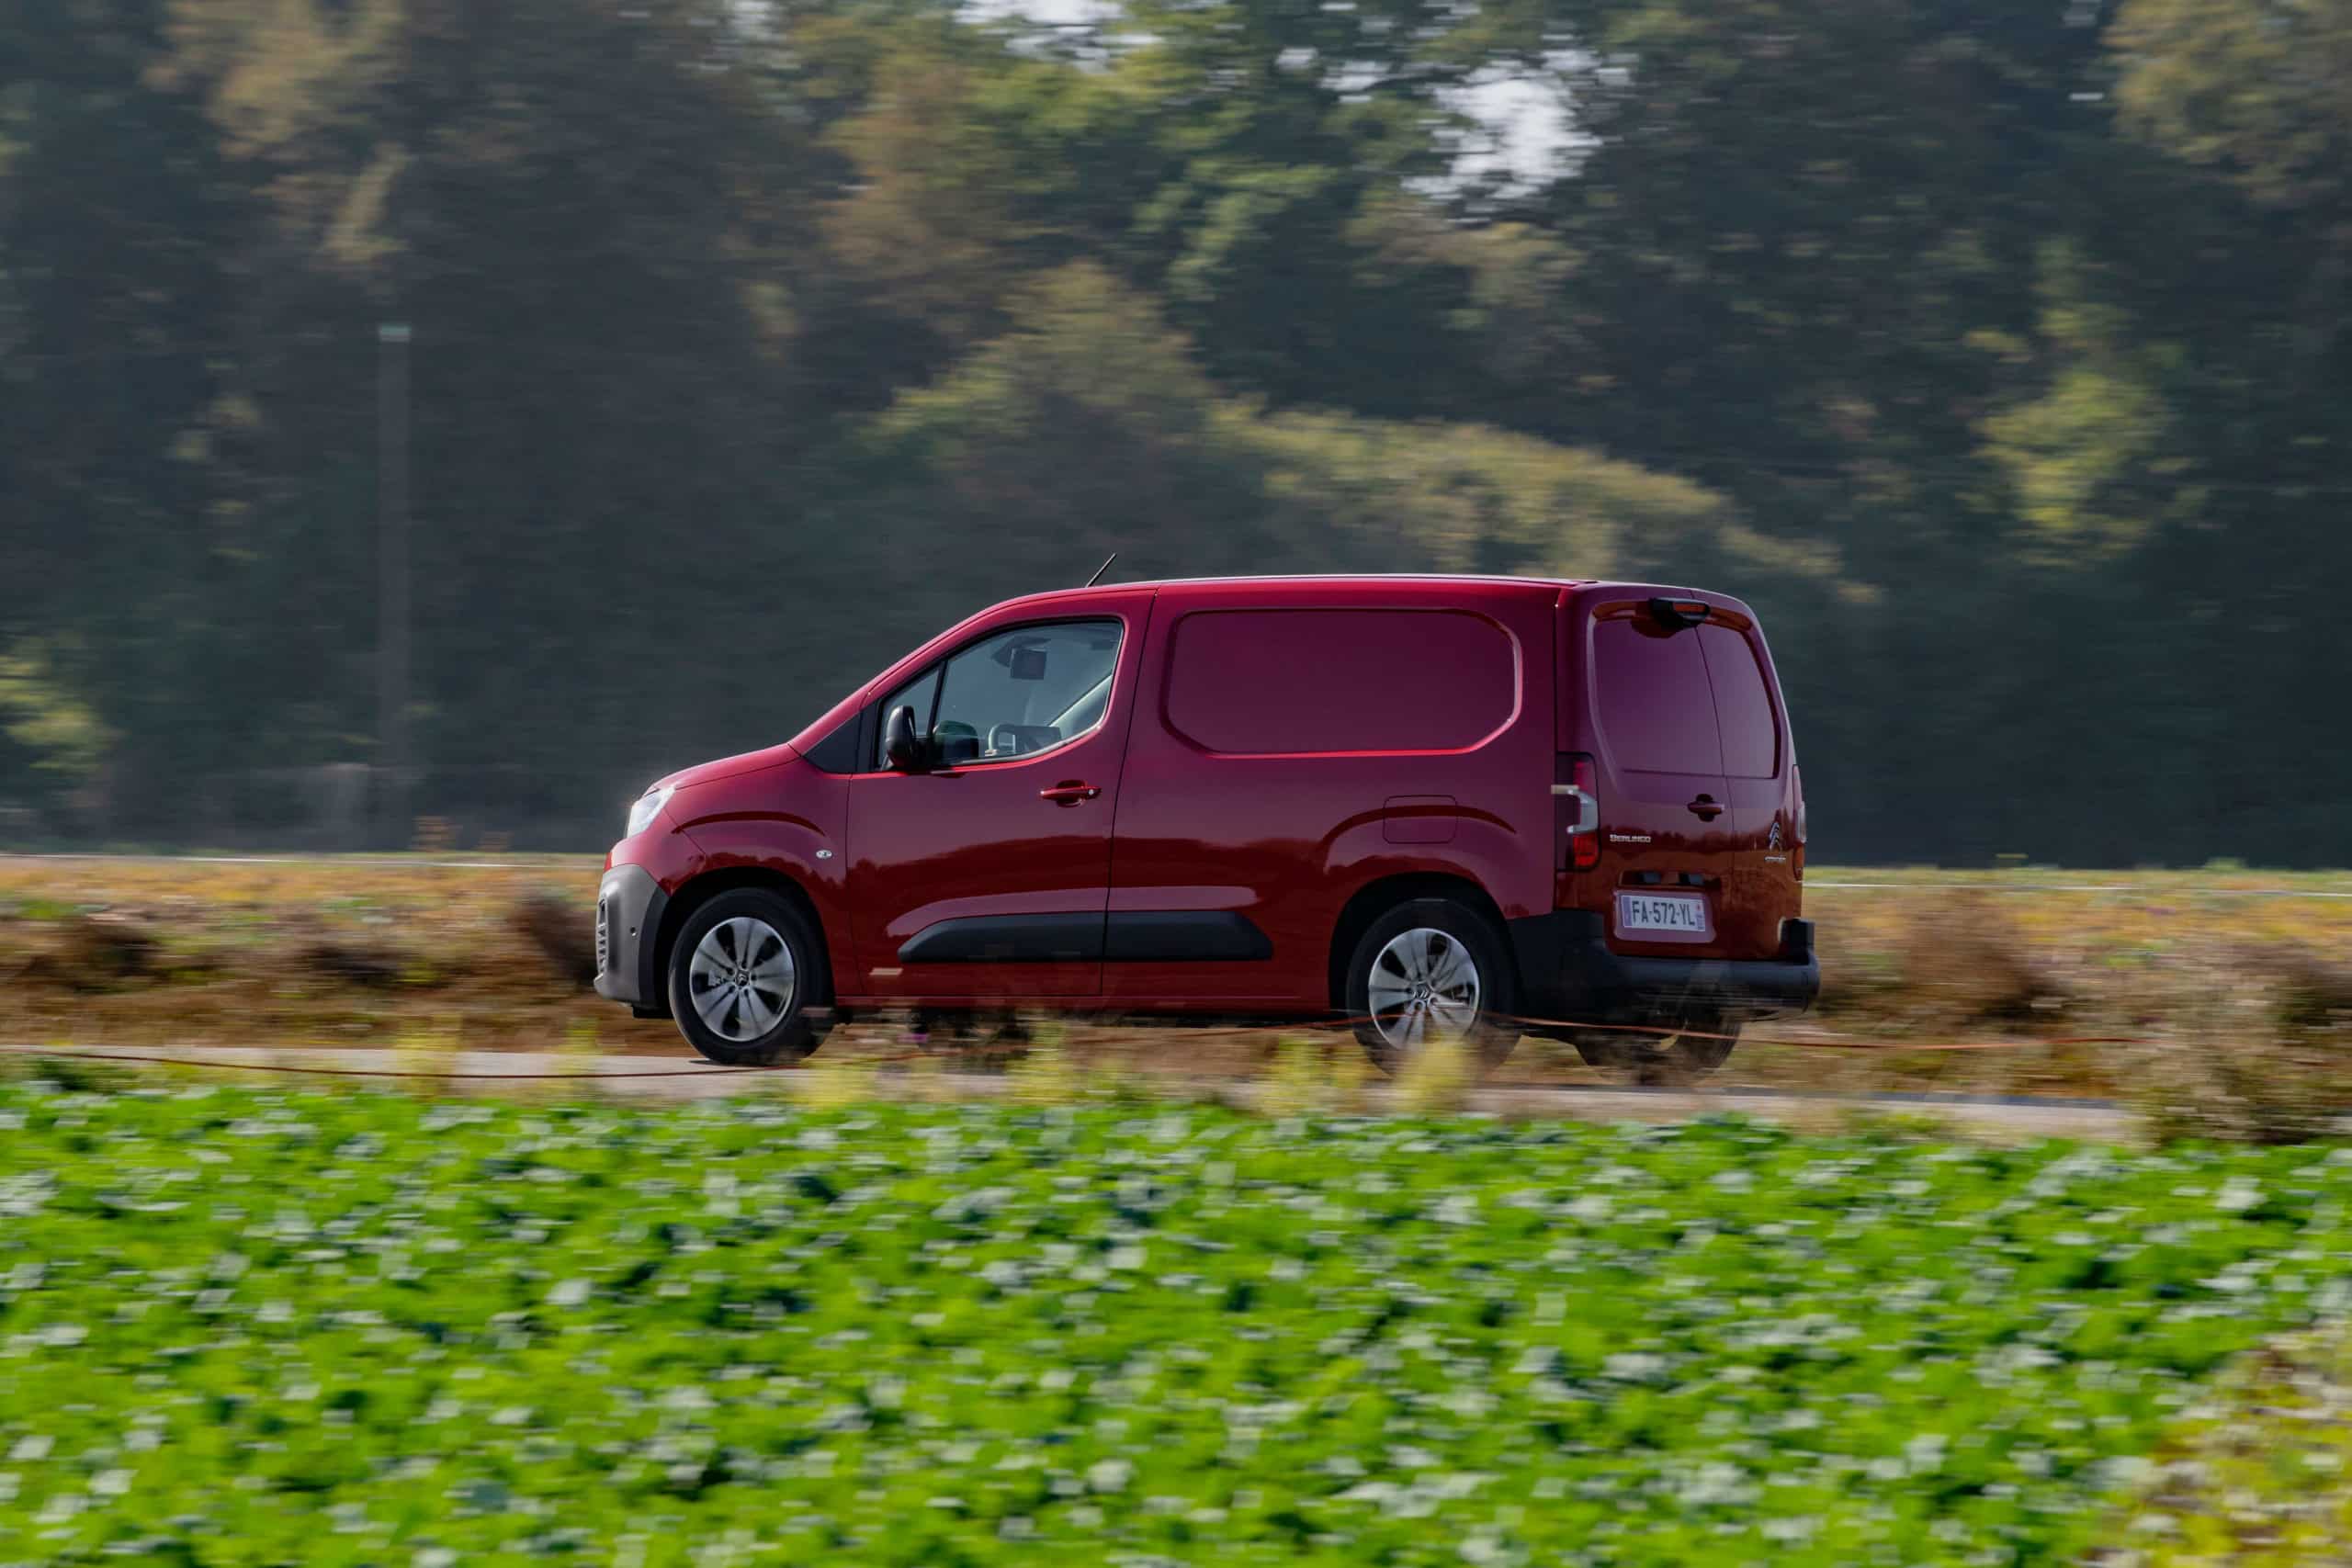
pixel 1014 693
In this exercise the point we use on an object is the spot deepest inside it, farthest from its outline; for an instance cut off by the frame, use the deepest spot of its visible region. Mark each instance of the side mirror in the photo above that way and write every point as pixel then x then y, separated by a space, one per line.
pixel 901 746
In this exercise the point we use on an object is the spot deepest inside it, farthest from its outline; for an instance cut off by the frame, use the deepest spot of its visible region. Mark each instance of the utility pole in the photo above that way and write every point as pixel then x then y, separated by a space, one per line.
pixel 392 578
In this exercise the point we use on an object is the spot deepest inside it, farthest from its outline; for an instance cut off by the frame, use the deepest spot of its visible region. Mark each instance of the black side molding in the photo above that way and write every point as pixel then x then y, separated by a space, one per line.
pixel 1007 939
pixel 1185 936
pixel 1133 936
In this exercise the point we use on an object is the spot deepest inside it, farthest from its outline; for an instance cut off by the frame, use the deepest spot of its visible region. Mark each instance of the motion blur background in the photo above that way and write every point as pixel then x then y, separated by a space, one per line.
pixel 417 409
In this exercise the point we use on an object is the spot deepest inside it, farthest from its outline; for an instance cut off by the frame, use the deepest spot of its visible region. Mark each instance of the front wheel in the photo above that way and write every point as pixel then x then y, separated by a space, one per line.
pixel 1430 970
pixel 745 972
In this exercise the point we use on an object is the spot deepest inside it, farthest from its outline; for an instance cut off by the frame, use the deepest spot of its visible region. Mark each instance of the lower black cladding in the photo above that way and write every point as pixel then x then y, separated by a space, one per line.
pixel 1131 936
pixel 1566 971
pixel 1184 936
pixel 1007 939
pixel 629 906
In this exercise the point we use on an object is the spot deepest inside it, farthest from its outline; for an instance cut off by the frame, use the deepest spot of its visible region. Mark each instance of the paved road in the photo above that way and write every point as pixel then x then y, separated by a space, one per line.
pixel 568 861
pixel 670 1078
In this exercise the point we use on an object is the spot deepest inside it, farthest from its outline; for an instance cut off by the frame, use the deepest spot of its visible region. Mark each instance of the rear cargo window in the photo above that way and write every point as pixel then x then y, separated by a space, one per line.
pixel 1265 683
pixel 1657 712
pixel 1743 704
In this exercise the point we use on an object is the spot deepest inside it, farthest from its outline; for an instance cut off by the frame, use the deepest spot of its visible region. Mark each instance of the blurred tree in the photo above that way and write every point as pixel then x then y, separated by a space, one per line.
pixel 2255 85
pixel 2073 450
pixel 2257 88
pixel 48 729
pixel 1994 351
pixel 1088 425
pixel 118 489
pixel 590 217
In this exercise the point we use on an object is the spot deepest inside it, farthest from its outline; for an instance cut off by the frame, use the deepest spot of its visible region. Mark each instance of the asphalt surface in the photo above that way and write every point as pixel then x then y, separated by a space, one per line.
pixel 673 1079
pixel 398 861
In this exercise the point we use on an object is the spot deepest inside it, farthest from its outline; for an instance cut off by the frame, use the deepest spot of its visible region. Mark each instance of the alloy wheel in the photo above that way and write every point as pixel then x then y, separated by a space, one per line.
pixel 1424 985
pixel 743 980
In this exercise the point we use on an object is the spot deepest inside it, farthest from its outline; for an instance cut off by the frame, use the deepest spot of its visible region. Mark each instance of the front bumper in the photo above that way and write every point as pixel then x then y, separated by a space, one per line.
pixel 629 906
pixel 1566 971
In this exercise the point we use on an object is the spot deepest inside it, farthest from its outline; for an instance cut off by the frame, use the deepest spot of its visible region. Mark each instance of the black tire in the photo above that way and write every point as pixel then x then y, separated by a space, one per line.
pixel 1662 1058
pixel 1488 1042
pixel 743 1036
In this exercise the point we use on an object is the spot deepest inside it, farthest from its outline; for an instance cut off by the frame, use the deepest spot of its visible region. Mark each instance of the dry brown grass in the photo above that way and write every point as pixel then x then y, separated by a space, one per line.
pixel 2246 1000
pixel 95 953
pixel 2026 961
pixel 2255 1047
pixel 320 952
pixel 562 935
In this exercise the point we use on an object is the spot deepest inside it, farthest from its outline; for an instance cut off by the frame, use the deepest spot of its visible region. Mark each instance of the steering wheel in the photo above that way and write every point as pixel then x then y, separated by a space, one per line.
pixel 1004 740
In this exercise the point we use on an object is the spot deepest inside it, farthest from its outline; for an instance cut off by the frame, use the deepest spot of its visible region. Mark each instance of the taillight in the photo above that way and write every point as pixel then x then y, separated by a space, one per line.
pixel 1575 813
pixel 1797 855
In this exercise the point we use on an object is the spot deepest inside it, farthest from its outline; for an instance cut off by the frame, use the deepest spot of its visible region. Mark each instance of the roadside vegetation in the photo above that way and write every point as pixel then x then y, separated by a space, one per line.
pixel 247 1327
pixel 2243 1003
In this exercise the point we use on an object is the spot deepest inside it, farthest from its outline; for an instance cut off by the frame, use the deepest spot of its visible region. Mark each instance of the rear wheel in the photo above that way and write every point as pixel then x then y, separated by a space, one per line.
pixel 1430 970
pixel 1662 1058
pixel 744 972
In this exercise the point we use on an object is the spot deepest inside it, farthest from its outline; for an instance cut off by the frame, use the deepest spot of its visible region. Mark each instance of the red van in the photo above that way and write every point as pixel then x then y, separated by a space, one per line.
pixel 1472 807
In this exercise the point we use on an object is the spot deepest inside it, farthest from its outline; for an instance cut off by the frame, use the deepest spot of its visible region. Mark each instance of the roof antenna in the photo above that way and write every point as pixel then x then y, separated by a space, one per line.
pixel 1101 570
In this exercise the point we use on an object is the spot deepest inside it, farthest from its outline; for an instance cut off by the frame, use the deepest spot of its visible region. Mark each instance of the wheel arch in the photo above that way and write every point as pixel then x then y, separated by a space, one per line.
pixel 694 895
pixel 1377 897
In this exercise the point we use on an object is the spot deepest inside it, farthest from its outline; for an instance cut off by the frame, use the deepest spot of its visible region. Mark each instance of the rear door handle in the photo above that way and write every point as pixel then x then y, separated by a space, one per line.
pixel 1705 810
pixel 1069 792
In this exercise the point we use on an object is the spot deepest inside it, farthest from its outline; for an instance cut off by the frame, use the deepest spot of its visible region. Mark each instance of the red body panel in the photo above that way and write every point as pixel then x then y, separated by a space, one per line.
pixel 783 819
pixel 959 843
pixel 1650 836
pixel 1288 839
pixel 1509 673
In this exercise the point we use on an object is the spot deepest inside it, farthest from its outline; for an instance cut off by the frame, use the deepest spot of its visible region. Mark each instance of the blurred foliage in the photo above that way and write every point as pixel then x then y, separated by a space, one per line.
pixel 1995 351
pixel 51 731
pixel 2255 84
pixel 2259 1473
pixel 354 1328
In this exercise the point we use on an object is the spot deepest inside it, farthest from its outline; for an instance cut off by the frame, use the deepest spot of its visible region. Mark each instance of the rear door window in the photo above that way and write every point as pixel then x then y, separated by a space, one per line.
pixel 1658 710
pixel 1751 735
pixel 1287 682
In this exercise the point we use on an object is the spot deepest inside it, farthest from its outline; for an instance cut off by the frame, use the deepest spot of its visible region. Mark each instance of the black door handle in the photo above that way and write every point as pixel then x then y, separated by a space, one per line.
pixel 1705 810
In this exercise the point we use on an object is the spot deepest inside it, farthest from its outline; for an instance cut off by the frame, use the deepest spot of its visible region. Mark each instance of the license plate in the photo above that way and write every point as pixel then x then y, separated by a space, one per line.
pixel 1669 915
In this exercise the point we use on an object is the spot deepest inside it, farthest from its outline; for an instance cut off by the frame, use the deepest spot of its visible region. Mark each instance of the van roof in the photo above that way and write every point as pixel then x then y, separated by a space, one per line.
pixel 1309 581
pixel 1481 585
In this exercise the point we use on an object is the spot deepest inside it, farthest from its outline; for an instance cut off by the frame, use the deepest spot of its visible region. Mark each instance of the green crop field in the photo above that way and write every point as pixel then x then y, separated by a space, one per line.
pixel 240 1327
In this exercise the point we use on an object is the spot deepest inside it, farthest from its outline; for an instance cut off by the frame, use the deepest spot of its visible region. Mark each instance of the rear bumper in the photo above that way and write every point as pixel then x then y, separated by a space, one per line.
pixel 1566 971
pixel 628 916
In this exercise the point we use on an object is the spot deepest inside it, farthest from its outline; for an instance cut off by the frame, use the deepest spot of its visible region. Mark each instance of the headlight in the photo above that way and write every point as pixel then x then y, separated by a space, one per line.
pixel 649 805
